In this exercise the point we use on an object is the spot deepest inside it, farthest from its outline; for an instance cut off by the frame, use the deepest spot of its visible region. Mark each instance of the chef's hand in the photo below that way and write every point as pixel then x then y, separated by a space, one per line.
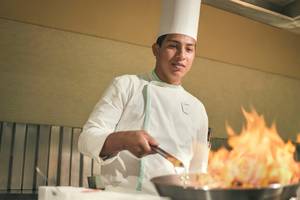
pixel 137 142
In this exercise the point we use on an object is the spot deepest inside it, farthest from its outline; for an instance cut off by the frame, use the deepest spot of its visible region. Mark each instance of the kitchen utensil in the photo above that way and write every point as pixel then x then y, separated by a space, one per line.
pixel 168 156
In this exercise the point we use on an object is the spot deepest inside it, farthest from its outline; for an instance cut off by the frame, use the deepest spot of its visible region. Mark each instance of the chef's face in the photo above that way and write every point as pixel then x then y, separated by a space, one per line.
pixel 174 57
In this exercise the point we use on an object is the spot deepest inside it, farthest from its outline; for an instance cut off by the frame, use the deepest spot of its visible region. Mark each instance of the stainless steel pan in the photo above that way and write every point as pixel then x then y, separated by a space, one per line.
pixel 173 186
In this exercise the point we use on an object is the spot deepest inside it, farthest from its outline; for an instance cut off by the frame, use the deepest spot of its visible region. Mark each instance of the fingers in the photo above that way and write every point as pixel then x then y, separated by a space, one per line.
pixel 151 142
pixel 138 152
pixel 143 147
pixel 139 143
pixel 150 139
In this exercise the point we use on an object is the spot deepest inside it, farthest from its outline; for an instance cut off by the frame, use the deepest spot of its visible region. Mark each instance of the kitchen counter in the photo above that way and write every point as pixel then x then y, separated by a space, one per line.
pixel 18 195
pixel 78 193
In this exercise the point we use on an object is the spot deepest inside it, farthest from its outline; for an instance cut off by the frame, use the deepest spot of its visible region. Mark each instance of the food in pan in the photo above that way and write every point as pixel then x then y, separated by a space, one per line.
pixel 257 157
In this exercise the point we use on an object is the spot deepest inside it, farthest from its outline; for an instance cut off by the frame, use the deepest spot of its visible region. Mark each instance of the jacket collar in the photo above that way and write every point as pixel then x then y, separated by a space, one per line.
pixel 155 79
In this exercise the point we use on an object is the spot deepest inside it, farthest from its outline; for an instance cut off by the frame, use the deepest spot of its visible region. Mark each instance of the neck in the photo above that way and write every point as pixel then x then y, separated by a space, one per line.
pixel 165 79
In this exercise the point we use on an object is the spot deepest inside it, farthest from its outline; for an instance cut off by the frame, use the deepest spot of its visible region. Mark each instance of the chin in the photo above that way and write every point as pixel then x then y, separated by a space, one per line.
pixel 174 79
pixel 177 74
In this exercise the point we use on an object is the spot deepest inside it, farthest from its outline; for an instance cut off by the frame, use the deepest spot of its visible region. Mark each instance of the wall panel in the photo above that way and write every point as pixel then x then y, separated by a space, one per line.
pixel 50 76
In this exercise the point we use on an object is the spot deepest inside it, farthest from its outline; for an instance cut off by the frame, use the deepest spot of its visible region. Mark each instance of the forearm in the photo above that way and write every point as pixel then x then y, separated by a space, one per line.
pixel 112 145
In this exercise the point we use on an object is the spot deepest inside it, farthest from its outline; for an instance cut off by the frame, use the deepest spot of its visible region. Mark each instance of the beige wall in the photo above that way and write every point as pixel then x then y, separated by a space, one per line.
pixel 222 36
pixel 55 73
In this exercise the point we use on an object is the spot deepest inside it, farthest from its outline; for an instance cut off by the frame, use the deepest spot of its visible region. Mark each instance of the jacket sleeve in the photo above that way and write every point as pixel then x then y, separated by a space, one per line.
pixel 200 146
pixel 102 121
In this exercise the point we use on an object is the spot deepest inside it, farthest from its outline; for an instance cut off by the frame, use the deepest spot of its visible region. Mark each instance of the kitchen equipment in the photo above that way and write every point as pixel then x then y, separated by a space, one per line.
pixel 168 156
pixel 173 186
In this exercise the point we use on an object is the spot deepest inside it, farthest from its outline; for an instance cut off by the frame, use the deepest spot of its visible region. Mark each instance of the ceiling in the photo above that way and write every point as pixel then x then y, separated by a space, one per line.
pixel 283 14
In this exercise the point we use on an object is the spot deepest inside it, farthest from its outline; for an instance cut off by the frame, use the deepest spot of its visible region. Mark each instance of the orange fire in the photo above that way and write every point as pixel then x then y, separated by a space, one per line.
pixel 258 158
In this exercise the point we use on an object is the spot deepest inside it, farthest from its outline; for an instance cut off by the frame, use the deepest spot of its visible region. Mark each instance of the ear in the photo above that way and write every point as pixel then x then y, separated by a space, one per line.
pixel 155 49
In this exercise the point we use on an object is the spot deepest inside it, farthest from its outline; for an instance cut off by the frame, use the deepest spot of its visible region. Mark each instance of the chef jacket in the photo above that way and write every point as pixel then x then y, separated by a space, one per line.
pixel 177 120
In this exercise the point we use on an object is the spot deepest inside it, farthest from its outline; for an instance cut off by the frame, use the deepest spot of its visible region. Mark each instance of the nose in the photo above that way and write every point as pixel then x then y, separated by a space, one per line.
pixel 180 53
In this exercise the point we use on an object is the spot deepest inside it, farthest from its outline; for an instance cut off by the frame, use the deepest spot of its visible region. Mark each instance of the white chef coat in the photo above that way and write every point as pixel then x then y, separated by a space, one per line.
pixel 176 120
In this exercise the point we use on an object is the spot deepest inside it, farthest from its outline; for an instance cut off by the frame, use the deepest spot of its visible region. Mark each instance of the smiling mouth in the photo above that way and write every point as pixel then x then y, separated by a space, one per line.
pixel 178 65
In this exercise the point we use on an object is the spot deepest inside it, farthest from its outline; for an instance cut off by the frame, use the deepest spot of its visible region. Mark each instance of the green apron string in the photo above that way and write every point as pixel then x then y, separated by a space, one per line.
pixel 145 127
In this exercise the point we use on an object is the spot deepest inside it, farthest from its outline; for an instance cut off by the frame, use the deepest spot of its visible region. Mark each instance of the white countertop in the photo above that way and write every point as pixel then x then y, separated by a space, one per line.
pixel 78 193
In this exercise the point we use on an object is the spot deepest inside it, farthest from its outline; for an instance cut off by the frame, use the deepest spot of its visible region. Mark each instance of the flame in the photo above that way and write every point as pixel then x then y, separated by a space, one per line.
pixel 258 157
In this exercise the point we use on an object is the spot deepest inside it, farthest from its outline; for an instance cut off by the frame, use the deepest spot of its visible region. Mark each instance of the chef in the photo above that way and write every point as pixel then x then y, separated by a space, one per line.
pixel 137 112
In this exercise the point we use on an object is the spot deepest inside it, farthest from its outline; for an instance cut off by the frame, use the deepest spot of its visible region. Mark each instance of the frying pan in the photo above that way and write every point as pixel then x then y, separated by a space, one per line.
pixel 172 186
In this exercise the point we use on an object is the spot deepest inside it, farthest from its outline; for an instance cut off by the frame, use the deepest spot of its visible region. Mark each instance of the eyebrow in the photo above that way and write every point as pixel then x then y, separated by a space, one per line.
pixel 188 44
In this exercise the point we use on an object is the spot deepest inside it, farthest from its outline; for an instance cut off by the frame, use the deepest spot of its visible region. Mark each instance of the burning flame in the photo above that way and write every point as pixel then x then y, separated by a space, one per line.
pixel 258 158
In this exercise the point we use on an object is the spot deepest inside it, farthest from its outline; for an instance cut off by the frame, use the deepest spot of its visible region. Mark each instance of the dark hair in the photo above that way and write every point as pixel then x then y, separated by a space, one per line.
pixel 161 39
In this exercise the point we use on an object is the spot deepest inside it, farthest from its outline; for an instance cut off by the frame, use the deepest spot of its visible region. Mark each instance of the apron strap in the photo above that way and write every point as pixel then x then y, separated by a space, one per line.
pixel 145 127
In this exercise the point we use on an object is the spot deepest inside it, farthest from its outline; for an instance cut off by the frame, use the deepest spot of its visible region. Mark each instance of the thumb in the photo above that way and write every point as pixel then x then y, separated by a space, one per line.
pixel 151 140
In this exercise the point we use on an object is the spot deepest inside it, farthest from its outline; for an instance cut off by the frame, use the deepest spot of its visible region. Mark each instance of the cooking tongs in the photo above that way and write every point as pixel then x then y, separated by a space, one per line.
pixel 168 156
pixel 171 158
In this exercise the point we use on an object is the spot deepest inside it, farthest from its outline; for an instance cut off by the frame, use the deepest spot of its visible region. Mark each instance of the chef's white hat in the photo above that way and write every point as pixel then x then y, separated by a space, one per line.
pixel 180 16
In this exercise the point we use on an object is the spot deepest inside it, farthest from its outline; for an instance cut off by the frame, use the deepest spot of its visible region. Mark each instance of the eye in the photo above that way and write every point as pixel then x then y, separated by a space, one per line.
pixel 190 49
pixel 172 45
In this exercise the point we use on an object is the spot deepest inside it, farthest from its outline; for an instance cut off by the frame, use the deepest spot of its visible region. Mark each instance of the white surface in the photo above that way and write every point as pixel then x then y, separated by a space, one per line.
pixel 180 16
pixel 76 193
